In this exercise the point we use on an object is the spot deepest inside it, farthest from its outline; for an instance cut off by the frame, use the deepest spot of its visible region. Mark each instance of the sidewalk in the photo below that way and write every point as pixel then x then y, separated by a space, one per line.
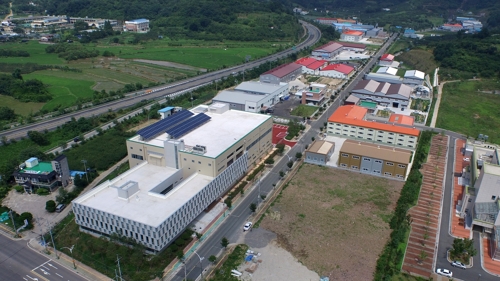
pixel 456 229
pixel 489 265
pixel 81 269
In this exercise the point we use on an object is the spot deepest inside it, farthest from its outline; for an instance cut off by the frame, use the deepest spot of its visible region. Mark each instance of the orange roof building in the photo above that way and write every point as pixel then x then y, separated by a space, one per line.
pixel 402 119
pixel 349 121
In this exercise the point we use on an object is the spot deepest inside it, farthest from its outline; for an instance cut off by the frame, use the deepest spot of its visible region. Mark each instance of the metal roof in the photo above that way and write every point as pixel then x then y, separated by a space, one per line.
pixel 283 70
pixel 260 88
pixel 238 97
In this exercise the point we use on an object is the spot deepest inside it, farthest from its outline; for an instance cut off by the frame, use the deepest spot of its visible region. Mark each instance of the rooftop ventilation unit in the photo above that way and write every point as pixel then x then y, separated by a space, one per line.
pixel 199 149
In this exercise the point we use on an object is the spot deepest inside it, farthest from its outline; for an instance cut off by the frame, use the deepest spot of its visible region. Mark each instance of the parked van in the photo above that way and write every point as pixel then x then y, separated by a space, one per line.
pixel 60 207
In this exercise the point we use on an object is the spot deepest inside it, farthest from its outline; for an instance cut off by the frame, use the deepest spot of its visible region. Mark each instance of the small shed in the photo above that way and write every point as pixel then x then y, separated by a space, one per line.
pixel 167 111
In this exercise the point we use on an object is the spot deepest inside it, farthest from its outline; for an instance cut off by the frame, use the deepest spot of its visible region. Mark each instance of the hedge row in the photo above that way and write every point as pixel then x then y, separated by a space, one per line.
pixel 387 264
pixel 255 172
pixel 238 189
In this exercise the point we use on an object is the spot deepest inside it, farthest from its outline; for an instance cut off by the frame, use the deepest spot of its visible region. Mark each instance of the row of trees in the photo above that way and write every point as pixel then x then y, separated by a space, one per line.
pixel 31 90
pixel 400 222
pixel 70 51
pixel 13 53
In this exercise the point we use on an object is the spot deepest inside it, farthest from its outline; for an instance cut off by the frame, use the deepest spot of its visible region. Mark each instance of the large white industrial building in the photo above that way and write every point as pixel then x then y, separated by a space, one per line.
pixel 179 166
pixel 253 96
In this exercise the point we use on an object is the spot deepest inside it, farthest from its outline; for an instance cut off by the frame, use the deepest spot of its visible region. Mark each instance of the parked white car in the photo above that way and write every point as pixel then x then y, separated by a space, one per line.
pixel 458 264
pixel 247 226
pixel 444 272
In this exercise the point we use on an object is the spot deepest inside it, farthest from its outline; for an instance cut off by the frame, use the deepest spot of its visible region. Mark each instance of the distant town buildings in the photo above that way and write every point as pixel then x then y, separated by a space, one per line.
pixel 470 25
pixel 138 26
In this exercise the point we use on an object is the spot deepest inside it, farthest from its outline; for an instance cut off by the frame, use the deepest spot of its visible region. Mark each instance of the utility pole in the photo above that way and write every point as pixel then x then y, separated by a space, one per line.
pixel 86 172
pixel 52 238
pixel 13 222
pixel 119 269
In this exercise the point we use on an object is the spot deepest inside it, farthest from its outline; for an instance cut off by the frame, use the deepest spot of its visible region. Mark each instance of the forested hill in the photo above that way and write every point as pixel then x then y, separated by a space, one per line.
pixel 201 19
pixel 442 5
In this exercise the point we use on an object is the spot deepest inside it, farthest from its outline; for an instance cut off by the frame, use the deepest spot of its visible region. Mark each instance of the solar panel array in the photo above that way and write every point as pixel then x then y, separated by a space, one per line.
pixel 187 126
pixel 162 125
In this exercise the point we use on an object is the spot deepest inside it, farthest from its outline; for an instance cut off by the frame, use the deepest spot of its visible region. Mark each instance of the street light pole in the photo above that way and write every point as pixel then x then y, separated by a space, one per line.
pixel 201 264
pixel 86 172
pixel 52 238
pixel 71 251
pixel 13 222
pixel 185 272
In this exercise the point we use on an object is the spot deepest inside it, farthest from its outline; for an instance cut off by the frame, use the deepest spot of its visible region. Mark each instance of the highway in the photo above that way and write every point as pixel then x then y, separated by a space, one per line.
pixel 313 36
pixel 240 213
pixel 20 263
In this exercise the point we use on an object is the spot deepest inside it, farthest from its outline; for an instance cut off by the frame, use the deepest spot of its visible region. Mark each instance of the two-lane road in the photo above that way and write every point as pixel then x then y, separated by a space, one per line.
pixel 313 36
pixel 20 263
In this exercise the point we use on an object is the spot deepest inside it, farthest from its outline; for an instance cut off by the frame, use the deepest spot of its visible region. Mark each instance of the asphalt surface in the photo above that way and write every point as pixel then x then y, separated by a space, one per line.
pixel 313 36
pixel 20 263
pixel 240 213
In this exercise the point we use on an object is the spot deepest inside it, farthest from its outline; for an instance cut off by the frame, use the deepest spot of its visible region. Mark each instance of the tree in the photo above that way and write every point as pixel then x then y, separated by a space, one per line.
pixel 282 174
pixel 212 259
pixel 253 207
pixel 17 74
pixel 280 148
pixel 298 155
pixel 38 138
pixel 463 249
pixel 80 25
pixel 289 164
pixel 7 113
pixel 224 242
pixel 50 206
pixel 63 195
pixel 228 202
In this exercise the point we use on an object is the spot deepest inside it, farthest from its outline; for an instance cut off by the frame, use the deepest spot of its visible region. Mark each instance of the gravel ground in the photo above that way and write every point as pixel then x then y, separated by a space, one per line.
pixel 277 263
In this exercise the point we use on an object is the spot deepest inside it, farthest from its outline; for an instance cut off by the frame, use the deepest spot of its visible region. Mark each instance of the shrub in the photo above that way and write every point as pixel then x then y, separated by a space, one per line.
pixel 50 206
pixel 42 191
pixel 19 188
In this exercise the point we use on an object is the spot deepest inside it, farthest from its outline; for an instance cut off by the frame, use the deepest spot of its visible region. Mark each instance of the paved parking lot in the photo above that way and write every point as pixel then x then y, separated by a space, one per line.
pixel 282 109
pixel 34 204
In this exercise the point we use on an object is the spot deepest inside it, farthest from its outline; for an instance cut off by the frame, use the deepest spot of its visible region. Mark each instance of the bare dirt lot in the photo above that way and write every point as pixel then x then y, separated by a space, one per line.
pixel 334 221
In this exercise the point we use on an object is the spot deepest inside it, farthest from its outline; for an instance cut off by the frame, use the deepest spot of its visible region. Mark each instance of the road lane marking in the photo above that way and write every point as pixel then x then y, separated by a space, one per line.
pixel 59 275
pixel 40 265
pixel 35 279
pixel 40 276
pixel 52 266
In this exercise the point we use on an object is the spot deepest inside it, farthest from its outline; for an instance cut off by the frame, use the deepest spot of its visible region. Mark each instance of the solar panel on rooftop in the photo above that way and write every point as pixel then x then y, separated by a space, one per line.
pixel 187 126
pixel 164 124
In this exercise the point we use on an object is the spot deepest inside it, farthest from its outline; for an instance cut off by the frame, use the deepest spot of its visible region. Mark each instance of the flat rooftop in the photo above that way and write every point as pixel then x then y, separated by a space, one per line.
pixel 142 207
pixel 219 133
pixel 41 168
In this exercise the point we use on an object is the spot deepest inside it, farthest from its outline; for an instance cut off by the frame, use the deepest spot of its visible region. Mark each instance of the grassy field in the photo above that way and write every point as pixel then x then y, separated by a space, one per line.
pixel 333 221
pixel 304 110
pixel 37 54
pixel 113 73
pixel 65 87
pixel 399 45
pixel 418 59
pixel 100 253
pixel 463 109
pixel 21 108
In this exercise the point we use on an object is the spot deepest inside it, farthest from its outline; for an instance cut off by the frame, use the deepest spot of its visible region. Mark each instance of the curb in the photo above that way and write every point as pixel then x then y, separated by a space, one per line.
pixel 482 256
